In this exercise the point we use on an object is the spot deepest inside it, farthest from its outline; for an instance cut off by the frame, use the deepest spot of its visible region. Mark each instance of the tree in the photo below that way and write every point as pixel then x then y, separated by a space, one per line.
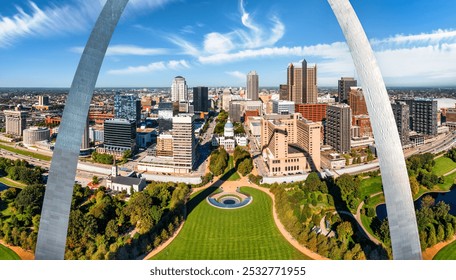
pixel 440 233
pixel 449 232
pixel 30 199
pixel 95 180
pixel 245 167
pixel 126 155
pixel 344 230
pixel 414 185
pixel 427 201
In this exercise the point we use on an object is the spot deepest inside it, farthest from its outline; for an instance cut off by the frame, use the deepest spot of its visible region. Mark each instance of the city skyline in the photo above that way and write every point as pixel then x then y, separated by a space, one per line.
pixel 41 41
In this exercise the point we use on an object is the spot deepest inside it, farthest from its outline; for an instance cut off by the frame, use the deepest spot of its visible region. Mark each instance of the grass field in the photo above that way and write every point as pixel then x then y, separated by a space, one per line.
pixel 237 234
pixel 234 176
pixel 370 186
pixel 443 165
pixel 7 254
pixel 25 153
pixel 447 253
pixel 11 183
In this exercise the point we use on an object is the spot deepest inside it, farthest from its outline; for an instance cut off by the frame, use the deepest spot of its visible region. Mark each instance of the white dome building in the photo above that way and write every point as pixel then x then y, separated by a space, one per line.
pixel 229 129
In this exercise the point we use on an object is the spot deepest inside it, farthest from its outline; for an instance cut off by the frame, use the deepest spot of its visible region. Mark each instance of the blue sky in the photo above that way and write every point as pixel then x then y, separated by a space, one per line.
pixel 217 42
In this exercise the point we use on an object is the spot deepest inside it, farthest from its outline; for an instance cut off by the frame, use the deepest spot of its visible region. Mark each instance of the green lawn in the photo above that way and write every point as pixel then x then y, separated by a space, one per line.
pixel 234 176
pixel 237 234
pixel 443 165
pixel 7 254
pixel 370 186
pixel 25 153
pixel 11 183
pixel 447 253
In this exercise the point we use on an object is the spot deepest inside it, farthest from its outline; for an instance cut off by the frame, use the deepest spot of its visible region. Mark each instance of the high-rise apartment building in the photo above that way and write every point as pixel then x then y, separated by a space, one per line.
pixel 184 143
pixel 128 107
pixel 402 116
pixel 423 115
pixel 15 121
pixel 119 135
pixel 343 88
pixel 200 99
pixel 252 85
pixel 338 124
pixel 302 83
pixel 236 111
pixel 179 90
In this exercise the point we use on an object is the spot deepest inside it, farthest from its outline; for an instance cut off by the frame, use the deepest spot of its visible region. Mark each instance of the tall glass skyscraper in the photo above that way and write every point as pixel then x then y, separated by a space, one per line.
pixel 128 107
pixel 200 99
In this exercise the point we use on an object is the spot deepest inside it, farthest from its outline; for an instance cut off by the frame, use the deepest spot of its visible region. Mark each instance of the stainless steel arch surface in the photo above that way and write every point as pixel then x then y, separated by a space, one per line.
pixel 57 200
pixel 396 186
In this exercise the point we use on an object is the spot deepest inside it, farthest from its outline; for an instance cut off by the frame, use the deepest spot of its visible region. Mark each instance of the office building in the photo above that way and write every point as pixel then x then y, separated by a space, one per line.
pixel 35 134
pixel 283 92
pixel 15 121
pixel 343 88
pixel 357 101
pixel 236 111
pixel 423 115
pixel 302 83
pixel 338 125
pixel 312 112
pixel 43 100
pixel 127 106
pixel 179 90
pixel 252 85
pixel 164 146
pixel 200 99
pixel 119 136
pixel 290 144
pixel 283 107
pixel 85 144
pixel 402 117
pixel 184 143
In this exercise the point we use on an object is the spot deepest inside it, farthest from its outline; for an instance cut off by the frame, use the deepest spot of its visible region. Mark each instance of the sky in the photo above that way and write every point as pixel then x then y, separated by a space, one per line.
pixel 217 42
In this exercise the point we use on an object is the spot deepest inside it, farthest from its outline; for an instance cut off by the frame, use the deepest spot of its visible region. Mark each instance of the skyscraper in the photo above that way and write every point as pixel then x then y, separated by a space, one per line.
pixel 423 115
pixel 85 144
pixel 200 99
pixel 128 107
pixel 283 92
pixel 15 121
pixel 179 90
pixel 402 116
pixel 184 143
pixel 338 124
pixel 311 93
pixel 43 100
pixel 343 88
pixel 120 135
pixel 302 83
pixel 252 85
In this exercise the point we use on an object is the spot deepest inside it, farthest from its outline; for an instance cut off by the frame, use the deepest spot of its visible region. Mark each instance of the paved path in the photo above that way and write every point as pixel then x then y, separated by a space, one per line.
pixel 360 223
pixel 23 254
pixel 231 186
pixel 430 253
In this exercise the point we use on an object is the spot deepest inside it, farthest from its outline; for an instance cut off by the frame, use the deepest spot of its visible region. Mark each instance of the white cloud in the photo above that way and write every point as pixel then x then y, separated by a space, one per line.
pixel 237 74
pixel 217 43
pixel 155 66
pixel 72 17
pixel 118 50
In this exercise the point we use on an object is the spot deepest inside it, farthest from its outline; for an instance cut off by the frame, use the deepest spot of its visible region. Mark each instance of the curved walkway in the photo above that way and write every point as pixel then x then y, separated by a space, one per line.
pixel 360 222
pixel 231 186
pixel 430 253
pixel 23 254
